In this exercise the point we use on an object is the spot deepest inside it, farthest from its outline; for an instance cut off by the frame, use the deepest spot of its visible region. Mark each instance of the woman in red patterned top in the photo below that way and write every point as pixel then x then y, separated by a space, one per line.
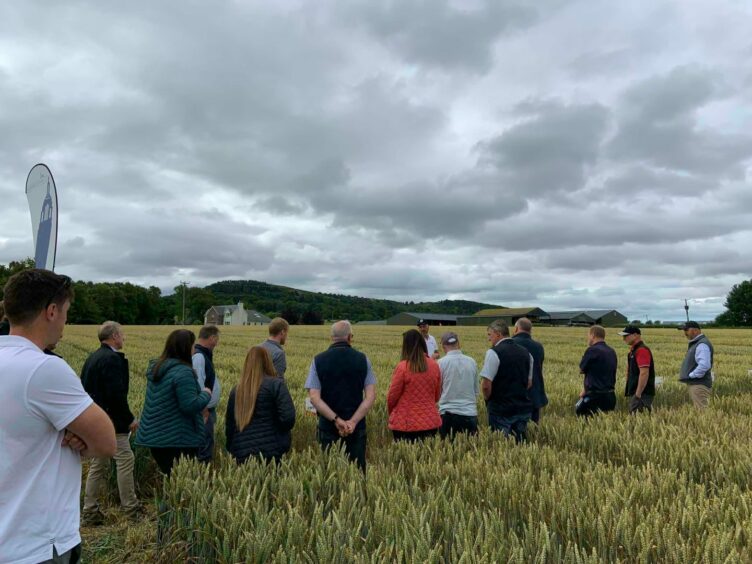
pixel 414 391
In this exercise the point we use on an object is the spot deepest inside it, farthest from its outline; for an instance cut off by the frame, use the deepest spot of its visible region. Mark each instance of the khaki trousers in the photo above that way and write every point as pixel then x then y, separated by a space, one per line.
pixel 99 470
pixel 700 395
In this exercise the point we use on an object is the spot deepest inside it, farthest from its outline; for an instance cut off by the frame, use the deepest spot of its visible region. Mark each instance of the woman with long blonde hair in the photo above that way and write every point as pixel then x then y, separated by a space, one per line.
pixel 260 412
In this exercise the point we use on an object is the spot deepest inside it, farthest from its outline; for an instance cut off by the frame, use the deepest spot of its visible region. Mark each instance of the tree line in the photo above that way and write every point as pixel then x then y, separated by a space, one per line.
pixel 135 305
pixel 131 304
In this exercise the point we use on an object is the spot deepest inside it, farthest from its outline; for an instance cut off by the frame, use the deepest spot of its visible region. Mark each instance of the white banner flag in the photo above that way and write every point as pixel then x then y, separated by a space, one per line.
pixel 42 196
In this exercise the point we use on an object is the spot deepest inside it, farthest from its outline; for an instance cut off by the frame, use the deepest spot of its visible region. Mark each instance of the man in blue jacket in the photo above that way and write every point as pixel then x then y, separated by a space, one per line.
pixel 523 336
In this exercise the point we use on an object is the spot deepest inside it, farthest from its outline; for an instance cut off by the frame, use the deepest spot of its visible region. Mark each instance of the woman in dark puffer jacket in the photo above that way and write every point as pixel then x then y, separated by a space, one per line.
pixel 260 412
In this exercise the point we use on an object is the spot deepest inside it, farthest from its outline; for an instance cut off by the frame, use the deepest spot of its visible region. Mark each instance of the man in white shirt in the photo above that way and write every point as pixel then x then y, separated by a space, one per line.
pixel 433 349
pixel 458 404
pixel 48 421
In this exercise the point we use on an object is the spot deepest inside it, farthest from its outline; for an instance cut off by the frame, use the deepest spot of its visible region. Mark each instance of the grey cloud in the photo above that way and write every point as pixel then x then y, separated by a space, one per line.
pixel 658 125
pixel 550 152
pixel 640 178
pixel 444 34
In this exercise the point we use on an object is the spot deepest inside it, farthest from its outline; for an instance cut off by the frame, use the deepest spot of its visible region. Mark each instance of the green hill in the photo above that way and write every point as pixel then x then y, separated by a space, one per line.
pixel 315 307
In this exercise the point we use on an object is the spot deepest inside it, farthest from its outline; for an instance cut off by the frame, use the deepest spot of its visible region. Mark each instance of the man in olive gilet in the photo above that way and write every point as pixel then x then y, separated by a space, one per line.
pixel 697 368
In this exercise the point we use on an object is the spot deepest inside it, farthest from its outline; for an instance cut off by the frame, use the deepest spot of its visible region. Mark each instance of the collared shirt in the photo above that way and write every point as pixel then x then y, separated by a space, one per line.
pixel 278 356
pixel 199 365
pixel 459 384
pixel 41 480
pixel 702 358
pixel 431 345
pixel 491 363
pixel 313 383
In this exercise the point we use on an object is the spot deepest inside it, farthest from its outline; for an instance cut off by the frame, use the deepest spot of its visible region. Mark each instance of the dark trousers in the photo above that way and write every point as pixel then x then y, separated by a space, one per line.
pixel 72 556
pixel 514 425
pixel 535 417
pixel 638 405
pixel 206 450
pixel 413 436
pixel 592 403
pixel 355 444
pixel 166 457
pixel 451 424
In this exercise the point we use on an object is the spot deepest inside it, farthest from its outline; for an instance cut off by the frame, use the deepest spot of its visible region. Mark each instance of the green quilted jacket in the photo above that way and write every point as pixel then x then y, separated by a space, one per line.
pixel 172 410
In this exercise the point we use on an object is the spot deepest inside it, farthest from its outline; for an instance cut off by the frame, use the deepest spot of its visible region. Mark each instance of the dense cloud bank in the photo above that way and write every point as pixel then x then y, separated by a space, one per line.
pixel 566 155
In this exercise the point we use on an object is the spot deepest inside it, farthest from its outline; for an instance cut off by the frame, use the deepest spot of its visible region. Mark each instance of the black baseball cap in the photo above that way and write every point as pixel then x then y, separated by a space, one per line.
pixel 422 322
pixel 630 330
pixel 689 325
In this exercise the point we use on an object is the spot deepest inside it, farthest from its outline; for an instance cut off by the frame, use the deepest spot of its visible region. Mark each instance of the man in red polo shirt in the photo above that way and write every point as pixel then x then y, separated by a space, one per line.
pixel 640 387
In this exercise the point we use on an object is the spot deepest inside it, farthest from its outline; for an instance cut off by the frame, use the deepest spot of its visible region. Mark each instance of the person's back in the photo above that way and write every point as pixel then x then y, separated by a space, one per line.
pixel 172 408
pixel 278 331
pixel 509 391
pixel 537 392
pixel 268 433
pixel 411 401
pixel 342 372
pixel 459 384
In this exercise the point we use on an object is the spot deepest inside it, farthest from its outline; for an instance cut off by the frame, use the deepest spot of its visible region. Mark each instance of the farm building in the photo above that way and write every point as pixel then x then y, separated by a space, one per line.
pixel 234 315
pixel 406 318
pixel 508 315
pixel 605 317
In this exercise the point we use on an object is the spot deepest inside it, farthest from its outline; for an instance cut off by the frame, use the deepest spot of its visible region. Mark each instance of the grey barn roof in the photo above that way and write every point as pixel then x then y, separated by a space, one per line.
pixel 433 316
pixel 567 314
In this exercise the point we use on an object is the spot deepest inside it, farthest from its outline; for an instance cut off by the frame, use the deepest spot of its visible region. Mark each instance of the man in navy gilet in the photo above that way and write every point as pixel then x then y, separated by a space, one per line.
pixel 697 368
pixel 507 376
pixel 203 364
pixel 342 387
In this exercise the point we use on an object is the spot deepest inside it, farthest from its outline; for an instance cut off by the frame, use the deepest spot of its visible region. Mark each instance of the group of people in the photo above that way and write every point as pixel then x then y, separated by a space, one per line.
pixel 53 417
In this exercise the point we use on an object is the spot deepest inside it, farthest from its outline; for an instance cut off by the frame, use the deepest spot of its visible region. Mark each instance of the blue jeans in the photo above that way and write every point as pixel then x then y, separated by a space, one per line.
pixel 515 425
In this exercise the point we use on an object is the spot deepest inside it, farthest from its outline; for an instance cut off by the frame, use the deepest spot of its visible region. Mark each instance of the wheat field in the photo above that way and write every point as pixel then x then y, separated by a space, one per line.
pixel 669 487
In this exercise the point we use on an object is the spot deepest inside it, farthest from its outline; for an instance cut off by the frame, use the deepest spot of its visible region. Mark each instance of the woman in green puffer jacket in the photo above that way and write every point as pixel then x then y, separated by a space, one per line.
pixel 172 422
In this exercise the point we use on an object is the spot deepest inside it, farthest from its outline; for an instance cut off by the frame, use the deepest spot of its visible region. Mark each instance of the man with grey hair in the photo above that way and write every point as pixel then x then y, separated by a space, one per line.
pixel 507 376
pixel 342 387
pixel 523 330
pixel 105 377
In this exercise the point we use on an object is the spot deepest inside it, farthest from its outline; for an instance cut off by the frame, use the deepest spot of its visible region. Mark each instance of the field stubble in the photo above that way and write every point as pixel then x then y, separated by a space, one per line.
pixel 671 487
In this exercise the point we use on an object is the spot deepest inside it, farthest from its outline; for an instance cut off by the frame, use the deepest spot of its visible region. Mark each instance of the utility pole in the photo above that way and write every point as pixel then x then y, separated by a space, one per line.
pixel 184 285
pixel 686 309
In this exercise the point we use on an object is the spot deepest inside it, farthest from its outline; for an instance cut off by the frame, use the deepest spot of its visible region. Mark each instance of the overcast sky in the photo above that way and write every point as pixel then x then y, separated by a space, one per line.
pixel 573 155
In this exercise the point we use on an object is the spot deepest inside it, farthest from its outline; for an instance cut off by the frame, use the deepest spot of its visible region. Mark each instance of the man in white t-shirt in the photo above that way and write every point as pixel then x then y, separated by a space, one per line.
pixel 47 423
pixel 433 349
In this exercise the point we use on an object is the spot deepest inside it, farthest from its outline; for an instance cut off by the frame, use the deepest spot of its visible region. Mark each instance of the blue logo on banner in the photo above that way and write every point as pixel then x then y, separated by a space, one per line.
pixel 45 231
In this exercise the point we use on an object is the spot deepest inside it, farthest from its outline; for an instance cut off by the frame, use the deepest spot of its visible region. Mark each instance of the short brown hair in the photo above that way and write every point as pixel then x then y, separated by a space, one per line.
pixel 30 291
pixel 208 331
pixel 277 325
pixel 598 332
pixel 2 310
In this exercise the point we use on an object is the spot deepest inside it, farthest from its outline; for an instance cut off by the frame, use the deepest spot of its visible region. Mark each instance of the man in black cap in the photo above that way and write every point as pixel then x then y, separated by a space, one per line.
pixel 433 349
pixel 697 368
pixel 640 386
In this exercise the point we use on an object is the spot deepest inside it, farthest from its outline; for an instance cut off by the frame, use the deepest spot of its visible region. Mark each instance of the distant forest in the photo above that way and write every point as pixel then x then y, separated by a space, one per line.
pixel 130 304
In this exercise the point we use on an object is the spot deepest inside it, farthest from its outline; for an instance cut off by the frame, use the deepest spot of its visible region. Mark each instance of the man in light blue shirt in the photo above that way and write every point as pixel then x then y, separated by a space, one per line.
pixel 697 369
pixel 458 404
